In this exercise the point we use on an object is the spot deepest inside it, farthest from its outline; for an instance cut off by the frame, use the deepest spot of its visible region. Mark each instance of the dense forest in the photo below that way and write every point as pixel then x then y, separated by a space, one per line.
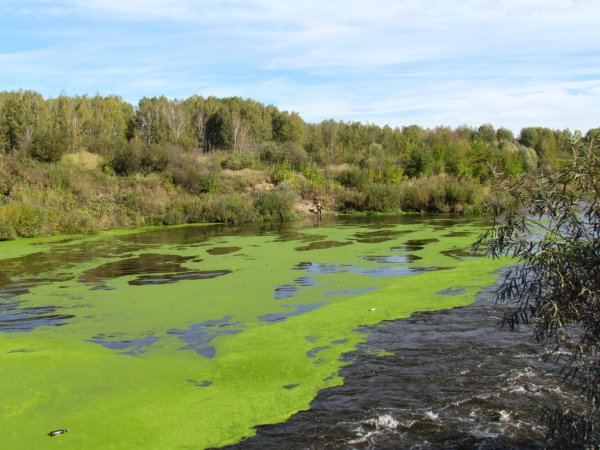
pixel 83 163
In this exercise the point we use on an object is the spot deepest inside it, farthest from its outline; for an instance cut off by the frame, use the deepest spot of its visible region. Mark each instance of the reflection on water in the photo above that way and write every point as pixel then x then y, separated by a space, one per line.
pixel 414 245
pixel 222 250
pixel 168 266
pixel 13 317
pixel 132 347
pixel 375 237
pixel 403 259
pixel 393 271
pixel 461 253
pixel 321 245
pixel 298 309
pixel 199 336
pixel 351 291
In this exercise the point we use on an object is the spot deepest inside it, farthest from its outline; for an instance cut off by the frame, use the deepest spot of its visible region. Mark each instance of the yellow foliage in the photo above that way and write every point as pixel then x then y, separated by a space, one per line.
pixel 83 159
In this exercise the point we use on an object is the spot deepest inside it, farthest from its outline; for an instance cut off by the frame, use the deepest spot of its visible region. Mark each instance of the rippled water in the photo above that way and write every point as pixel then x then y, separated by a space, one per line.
pixel 437 380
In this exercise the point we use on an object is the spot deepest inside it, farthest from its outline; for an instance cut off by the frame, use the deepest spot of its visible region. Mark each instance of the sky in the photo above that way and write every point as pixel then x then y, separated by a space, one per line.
pixel 511 63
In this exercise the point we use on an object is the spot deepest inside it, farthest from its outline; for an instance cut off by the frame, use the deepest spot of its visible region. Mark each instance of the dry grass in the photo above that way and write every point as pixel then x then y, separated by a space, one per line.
pixel 83 160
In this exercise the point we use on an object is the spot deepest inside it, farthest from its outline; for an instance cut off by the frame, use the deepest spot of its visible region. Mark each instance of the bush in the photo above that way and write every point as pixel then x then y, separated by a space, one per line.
pixel 277 204
pixel 192 176
pixel 154 158
pixel 47 146
pixel 353 177
pixel 224 208
pixel 383 197
pixel 126 160
pixel 24 219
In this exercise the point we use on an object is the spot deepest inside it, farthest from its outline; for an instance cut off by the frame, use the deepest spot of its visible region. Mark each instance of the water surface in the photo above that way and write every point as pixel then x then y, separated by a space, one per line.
pixel 193 336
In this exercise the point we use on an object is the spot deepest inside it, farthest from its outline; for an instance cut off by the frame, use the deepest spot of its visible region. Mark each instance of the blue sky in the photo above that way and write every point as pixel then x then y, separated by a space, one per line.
pixel 511 63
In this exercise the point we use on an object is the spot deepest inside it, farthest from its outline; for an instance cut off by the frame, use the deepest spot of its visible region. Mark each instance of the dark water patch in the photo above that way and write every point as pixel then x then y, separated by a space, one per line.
pixel 454 381
pixel 290 386
pixel 14 318
pixel 13 290
pixel 452 291
pixel 403 259
pixel 285 291
pixel 458 234
pixel 305 281
pixel 168 266
pixel 321 245
pixel 414 245
pixel 199 336
pixel 173 278
pixel 132 347
pixel 52 265
pixel 297 235
pixel 394 271
pixel 311 338
pixel 312 353
pixel 320 268
pixel 339 341
pixel 444 222
pixel 299 309
pixel 21 350
pixel 222 250
pixel 203 383
pixel 397 271
pixel 461 253
pixel 351 291
pixel 182 236
pixel 376 237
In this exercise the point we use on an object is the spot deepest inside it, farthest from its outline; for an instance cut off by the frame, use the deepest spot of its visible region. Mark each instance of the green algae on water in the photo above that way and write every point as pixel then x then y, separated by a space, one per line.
pixel 148 356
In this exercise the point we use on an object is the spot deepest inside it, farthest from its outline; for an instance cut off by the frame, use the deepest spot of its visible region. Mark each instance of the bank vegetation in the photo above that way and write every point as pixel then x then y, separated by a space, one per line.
pixel 80 164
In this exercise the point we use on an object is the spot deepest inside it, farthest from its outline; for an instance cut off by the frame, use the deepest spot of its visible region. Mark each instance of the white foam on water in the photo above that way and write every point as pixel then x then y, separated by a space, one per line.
pixel 385 422
pixel 432 416
pixel 505 416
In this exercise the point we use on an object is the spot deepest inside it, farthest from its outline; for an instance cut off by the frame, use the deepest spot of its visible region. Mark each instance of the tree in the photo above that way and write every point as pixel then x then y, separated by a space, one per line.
pixel 553 231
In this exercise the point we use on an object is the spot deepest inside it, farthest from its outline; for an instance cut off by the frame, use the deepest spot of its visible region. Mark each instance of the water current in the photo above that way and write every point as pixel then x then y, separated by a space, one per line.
pixel 447 379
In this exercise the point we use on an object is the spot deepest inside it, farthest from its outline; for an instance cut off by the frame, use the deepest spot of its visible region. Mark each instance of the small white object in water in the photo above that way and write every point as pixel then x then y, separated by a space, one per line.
pixel 385 422
pixel 58 432
pixel 431 415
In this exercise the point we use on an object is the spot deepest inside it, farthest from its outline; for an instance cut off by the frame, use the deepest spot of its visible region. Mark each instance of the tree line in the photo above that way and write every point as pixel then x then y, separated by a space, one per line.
pixel 46 129
pixel 84 163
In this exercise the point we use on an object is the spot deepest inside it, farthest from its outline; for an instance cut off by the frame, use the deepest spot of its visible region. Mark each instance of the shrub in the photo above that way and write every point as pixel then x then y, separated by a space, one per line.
pixel 23 219
pixel 192 176
pixel 383 197
pixel 280 173
pixel 353 177
pixel 277 204
pixel 154 158
pixel 126 160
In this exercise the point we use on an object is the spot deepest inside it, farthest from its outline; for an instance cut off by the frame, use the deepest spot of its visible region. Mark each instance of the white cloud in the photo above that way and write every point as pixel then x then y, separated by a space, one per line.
pixel 431 62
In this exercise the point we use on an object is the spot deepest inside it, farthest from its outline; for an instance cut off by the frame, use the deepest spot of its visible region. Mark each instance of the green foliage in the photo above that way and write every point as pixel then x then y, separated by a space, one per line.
pixel 24 219
pixel 384 197
pixel 277 204
pixel 353 177
pixel 280 173
pixel 107 163
pixel 553 232
pixel 195 177
pixel 48 145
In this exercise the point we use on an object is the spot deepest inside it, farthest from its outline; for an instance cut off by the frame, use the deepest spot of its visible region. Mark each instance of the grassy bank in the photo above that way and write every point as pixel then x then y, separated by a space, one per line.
pixel 81 193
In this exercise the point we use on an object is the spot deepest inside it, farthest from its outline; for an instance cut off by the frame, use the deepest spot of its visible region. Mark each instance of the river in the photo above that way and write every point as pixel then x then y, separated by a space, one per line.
pixel 340 334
